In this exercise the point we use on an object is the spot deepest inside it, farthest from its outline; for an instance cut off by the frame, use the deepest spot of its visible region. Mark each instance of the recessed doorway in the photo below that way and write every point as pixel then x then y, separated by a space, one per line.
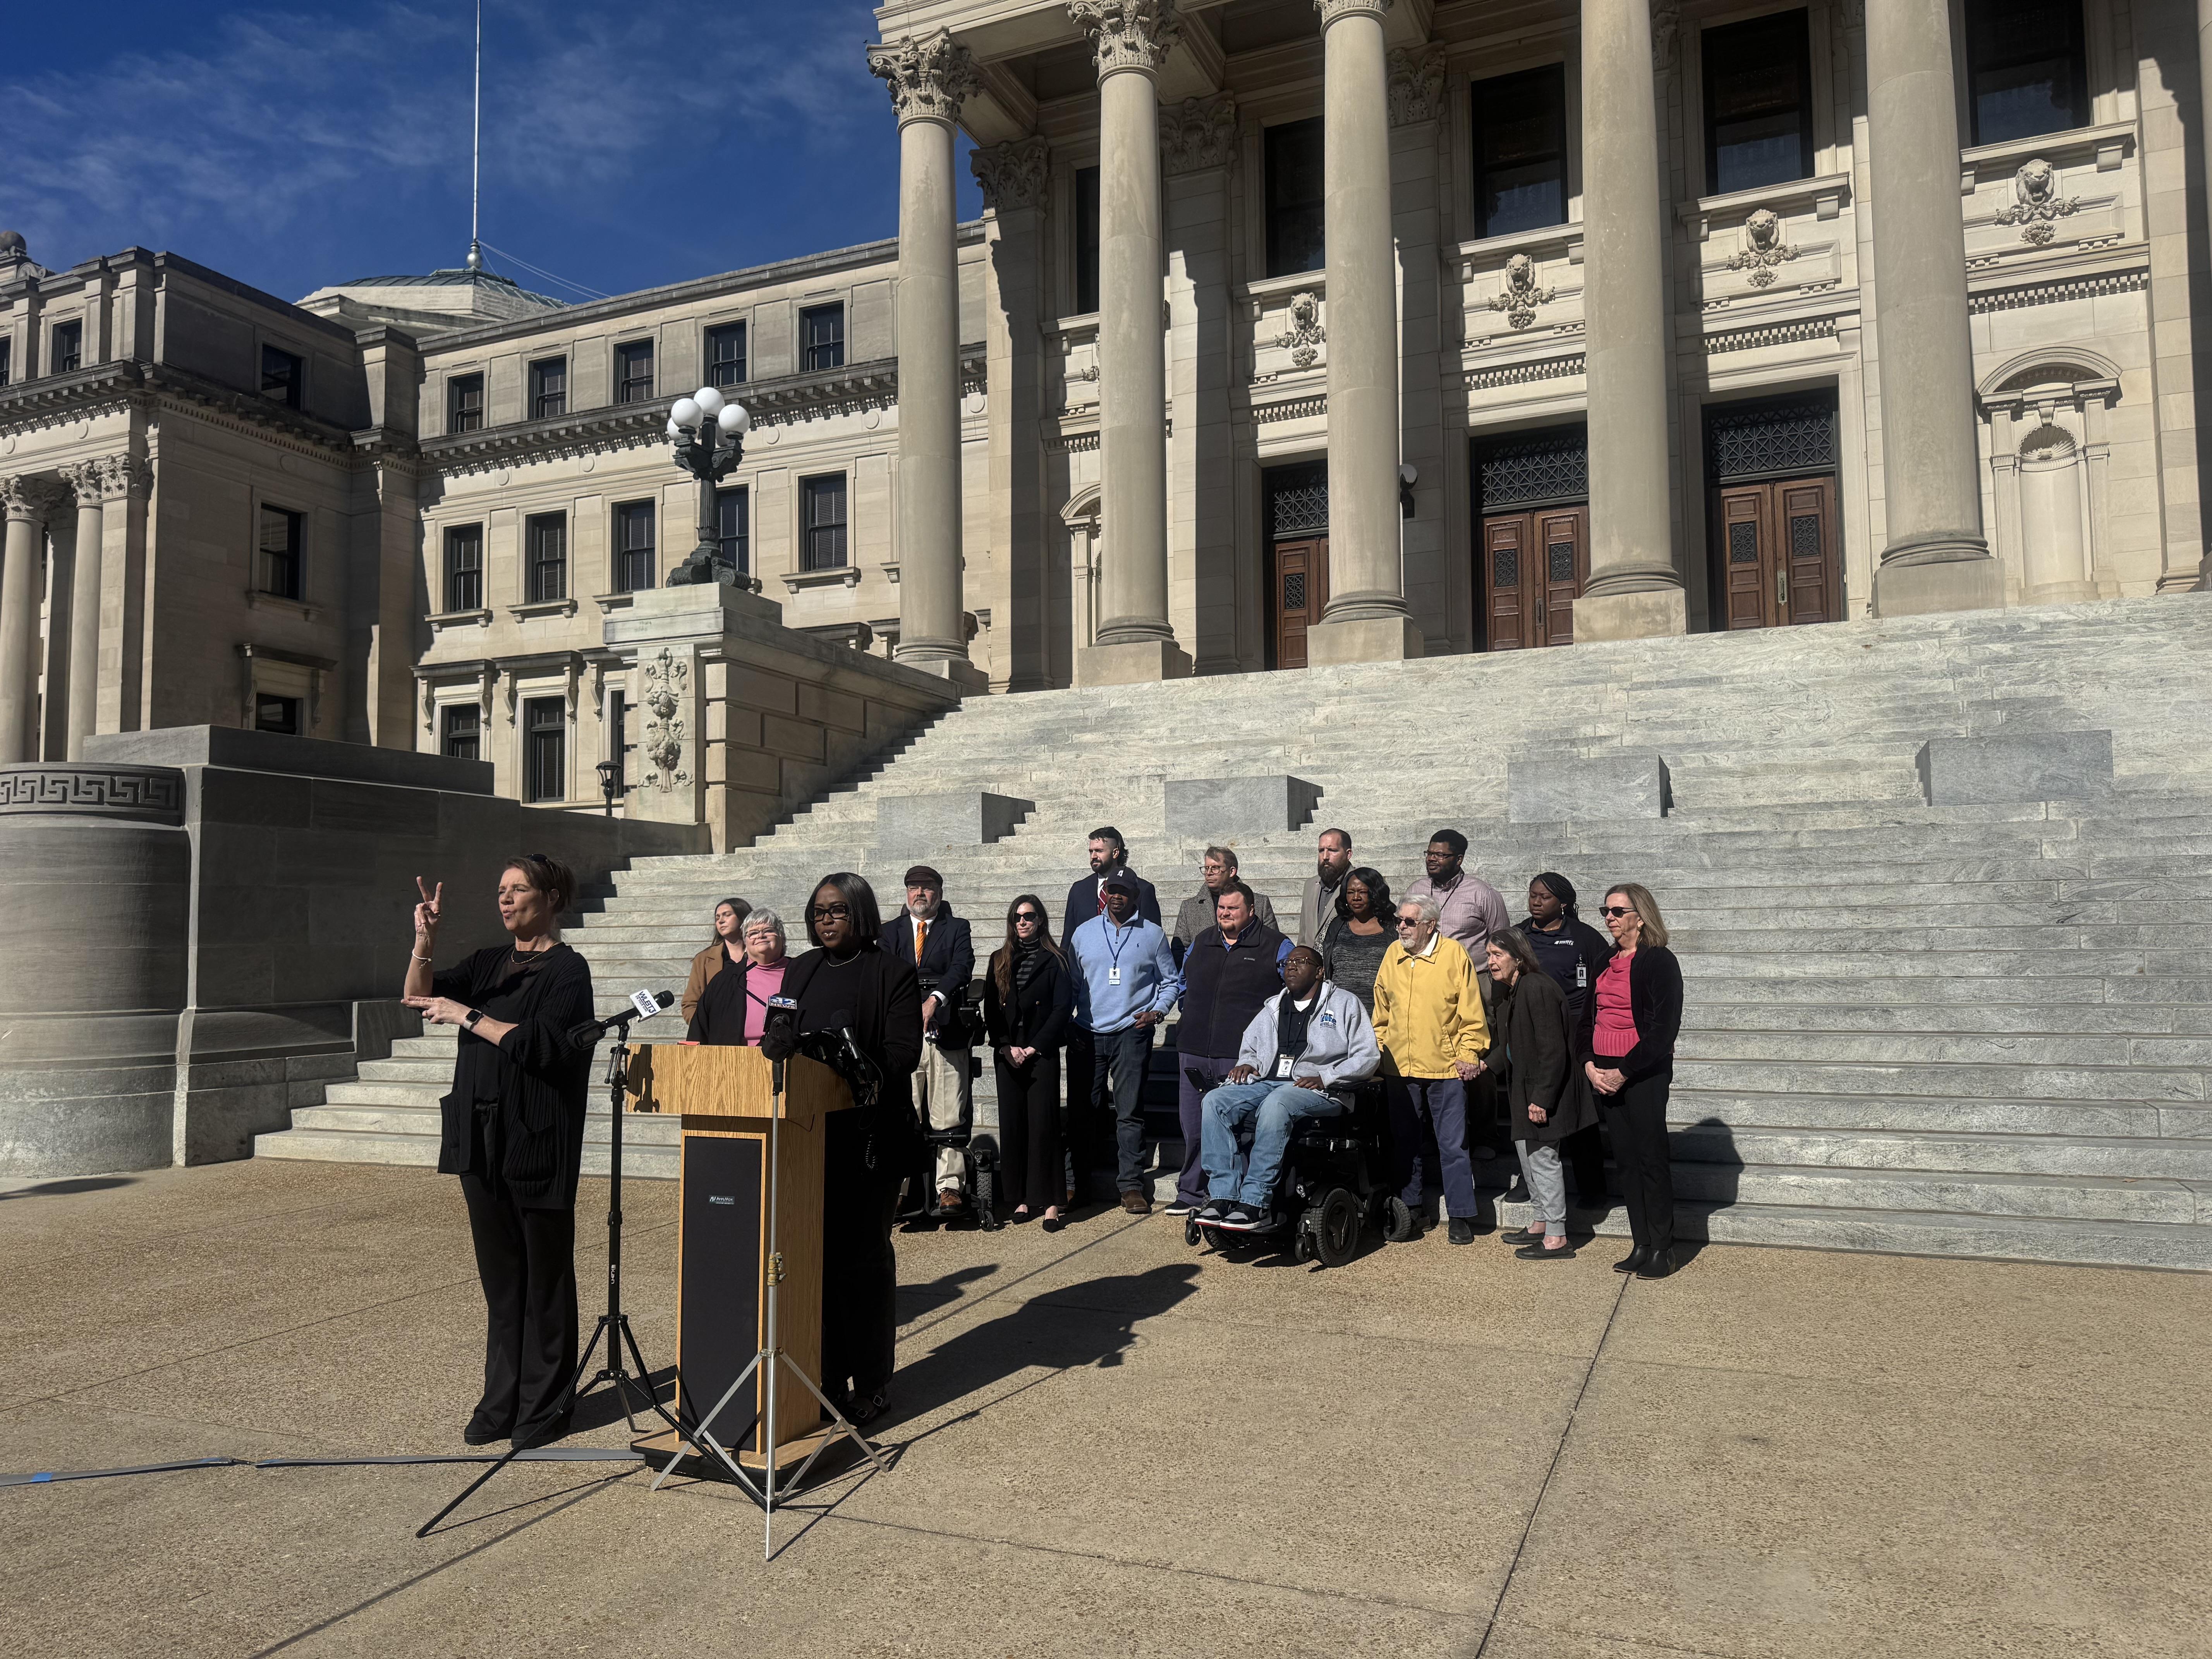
pixel 1777 553
pixel 1532 556
pixel 1297 506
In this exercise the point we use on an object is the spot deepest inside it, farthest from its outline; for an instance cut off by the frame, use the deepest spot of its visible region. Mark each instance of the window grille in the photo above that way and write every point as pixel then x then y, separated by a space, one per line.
pixel 1540 468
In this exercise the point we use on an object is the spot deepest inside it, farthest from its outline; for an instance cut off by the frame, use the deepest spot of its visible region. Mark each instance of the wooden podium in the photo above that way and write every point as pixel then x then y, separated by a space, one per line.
pixel 726 1258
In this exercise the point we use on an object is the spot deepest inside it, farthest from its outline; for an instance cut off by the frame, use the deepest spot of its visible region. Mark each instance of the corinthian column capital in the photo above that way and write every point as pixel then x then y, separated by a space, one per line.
pixel 85 480
pixel 1012 175
pixel 1201 134
pixel 28 497
pixel 1333 10
pixel 123 475
pixel 929 78
pixel 1129 34
pixel 1417 84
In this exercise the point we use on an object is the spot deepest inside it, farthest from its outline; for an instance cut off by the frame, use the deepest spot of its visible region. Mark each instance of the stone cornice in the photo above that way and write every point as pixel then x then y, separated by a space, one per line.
pixel 929 79
pixel 1129 34
pixel 1013 175
pixel 1198 134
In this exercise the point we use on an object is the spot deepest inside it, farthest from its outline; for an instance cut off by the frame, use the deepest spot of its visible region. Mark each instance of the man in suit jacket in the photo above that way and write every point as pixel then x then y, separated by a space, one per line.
pixel 1109 855
pixel 943 951
pixel 1317 908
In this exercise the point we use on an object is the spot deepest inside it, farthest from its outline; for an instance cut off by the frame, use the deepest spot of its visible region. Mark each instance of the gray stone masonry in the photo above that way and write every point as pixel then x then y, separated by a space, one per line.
pixel 960 818
pixel 2031 766
pixel 1629 783
pixel 1225 808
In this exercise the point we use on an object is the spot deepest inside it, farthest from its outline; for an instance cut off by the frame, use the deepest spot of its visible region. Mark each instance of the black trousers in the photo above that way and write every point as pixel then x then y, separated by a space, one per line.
pixel 527 1261
pixel 1584 1153
pixel 1029 1165
pixel 860 1270
pixel 1638 1119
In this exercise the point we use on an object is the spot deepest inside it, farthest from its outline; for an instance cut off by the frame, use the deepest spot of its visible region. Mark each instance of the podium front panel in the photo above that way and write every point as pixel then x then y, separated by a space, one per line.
pixel 719 1280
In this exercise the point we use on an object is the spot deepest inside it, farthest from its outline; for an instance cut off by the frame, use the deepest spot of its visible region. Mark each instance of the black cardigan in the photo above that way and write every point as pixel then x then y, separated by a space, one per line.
pixel 1654 1002
pixel 539 1078
pixel 1038 1014
pixel 1538 1063
pixel 880 993
pixel 720 1016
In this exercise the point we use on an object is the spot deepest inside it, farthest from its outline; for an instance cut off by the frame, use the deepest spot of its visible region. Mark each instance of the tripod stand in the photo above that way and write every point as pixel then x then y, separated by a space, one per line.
pixel 769 1361
pixel 614 1323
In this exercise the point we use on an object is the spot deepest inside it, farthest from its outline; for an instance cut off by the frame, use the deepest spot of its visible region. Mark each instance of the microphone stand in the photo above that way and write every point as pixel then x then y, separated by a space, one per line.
pixel 614 1323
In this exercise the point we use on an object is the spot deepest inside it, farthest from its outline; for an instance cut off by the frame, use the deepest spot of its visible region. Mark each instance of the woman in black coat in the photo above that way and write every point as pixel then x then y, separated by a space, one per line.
pixel 513 1131
pixel 1627 1048
pixel 1028 998
pixel 1545 1095
pixel 846 982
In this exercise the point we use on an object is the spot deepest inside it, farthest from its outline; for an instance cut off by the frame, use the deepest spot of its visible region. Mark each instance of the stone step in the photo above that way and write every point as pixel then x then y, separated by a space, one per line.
pixel 2073 1197
pixel 1910 1114
pixel 2120 1156
pixel 1974 1080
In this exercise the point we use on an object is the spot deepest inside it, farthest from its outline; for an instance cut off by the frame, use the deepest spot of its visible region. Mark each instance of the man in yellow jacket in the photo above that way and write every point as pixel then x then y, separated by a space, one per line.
pixel 1428 1021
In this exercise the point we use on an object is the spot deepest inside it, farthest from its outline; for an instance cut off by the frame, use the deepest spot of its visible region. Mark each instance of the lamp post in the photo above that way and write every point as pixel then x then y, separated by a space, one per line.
pixel 610 787
pixel 697 427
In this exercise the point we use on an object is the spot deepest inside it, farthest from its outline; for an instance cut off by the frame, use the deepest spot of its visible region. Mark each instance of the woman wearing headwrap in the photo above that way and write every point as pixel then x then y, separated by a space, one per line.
pixel 1571 953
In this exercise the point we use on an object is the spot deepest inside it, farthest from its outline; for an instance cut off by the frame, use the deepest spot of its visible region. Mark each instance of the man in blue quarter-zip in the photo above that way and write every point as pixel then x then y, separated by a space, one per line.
pixel 1125 983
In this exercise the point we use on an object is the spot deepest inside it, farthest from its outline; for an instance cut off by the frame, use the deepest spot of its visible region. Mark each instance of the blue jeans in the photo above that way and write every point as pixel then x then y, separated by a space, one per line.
pixel 1267 1111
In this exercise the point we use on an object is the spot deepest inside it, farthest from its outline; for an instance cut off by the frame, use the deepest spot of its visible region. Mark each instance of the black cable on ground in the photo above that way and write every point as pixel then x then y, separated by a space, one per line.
pixel 539 1455
pixel 47 1477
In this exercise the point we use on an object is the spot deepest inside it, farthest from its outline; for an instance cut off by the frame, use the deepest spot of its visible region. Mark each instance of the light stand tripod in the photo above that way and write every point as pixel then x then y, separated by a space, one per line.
pixel 768 1360
pixel 614 1323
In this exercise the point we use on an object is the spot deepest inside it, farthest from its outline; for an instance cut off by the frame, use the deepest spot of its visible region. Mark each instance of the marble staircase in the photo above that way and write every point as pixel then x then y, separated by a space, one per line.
pixel 1982 1030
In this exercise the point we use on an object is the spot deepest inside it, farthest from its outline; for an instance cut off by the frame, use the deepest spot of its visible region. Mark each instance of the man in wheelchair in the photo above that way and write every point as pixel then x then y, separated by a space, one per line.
pixel 1301 1054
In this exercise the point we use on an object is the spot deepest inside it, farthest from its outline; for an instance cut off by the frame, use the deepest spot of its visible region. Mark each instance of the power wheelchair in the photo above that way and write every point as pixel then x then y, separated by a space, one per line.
pixel 1336 1181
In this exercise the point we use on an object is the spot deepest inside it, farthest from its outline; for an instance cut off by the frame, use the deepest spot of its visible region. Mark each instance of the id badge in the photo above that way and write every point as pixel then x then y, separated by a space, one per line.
pixel 1582 976
pixel 1113 974
pixel 1282 1065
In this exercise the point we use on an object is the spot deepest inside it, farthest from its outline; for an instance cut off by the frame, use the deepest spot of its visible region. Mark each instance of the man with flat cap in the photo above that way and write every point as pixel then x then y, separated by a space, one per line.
pixel 939 946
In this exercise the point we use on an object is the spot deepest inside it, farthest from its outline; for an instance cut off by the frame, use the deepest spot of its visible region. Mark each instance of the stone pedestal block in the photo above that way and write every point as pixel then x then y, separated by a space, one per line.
pixel 1220 809
pixel 2026 766
pixel 1374 639
pixel 1649 614
pixel 1969 581
pixel 1631 783
pixel 1138 662
pixel 961 818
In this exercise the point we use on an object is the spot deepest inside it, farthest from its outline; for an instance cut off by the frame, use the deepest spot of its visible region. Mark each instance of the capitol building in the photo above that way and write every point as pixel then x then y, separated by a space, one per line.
pixel 1294 332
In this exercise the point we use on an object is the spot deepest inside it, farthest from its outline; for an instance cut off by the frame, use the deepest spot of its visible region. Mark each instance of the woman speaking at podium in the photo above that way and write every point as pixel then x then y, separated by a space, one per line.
pixel 848 983
pixel 513 1131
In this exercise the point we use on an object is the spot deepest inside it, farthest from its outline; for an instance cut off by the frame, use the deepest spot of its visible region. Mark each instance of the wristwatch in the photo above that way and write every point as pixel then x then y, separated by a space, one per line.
pixel 469 1020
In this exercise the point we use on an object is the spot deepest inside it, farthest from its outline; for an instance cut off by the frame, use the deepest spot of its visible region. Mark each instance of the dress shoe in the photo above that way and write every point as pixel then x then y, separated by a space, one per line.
pixel 1460 1231
pixel 1053 1224
pixel 479 1433
pixel 1633 1262
pixel 1536 1251
pixel 1517 1193
pixel 1522 1236
pixel 1658 1264
pixel 545 1434
pixel 948 1201
pixel 1136 1204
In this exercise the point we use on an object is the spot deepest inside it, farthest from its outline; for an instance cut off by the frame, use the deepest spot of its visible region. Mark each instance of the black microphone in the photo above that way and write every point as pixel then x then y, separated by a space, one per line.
pixel 643 1005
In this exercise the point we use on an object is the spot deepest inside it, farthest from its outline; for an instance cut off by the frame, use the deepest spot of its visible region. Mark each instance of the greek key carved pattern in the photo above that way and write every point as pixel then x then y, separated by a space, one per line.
pixel 151 794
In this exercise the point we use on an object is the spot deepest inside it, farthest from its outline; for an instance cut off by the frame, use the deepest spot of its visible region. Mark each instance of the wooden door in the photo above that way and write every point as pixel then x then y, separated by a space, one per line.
pixel 1301 595
pixel 1777 545
pixel 1533 567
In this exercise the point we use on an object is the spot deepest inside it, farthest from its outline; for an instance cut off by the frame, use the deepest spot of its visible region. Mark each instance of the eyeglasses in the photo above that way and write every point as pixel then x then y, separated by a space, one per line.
pixel 1617 910
pixel 831 912
pixel 1027 916
pixel 1403 922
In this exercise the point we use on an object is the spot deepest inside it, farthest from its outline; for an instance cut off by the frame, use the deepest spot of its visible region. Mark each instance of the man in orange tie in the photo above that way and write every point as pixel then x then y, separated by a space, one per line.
pixel 938 944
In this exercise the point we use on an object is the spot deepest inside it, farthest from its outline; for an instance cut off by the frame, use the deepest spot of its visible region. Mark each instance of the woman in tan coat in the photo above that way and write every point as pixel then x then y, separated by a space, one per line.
pixel 728 946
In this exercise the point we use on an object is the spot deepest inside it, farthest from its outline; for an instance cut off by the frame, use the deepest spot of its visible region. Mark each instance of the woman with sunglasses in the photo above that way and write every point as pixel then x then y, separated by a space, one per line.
pixel 849 983
pixel 1627 1041
pixel 1028 998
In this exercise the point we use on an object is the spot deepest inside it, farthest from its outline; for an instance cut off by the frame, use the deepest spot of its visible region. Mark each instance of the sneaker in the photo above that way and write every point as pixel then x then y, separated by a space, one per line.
pixel 1215 1209
pixel 1461 1231
pixel 1243 1218
pixel 1181 1206
pixel 1136 1204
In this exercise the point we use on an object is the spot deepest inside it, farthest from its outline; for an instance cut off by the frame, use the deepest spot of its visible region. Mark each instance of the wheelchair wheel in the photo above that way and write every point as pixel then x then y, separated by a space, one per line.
pixel 1303 1249
pixel 987 1199
pixel 1192 1232
pixel 1400 1222
pixel 1334 1224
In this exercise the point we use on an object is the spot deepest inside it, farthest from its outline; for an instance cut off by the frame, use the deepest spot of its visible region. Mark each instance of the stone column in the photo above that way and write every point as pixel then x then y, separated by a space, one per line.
pixel 1634 588
pixel 1135 640
pixel 1366 619
pixel 89 482
pixel 26 500
pixel 928 78
pixel 126 482
pixel 1937 558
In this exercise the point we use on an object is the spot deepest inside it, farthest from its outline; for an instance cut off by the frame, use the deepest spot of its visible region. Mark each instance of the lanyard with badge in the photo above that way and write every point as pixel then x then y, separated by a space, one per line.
pixel 1116 938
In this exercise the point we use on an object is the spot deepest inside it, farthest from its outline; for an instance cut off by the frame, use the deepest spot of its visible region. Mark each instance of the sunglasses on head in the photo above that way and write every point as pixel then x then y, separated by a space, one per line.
pixel 1618 910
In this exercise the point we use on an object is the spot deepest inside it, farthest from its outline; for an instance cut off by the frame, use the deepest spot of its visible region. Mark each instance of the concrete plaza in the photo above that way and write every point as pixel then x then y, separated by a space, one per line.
pixel 1107 1443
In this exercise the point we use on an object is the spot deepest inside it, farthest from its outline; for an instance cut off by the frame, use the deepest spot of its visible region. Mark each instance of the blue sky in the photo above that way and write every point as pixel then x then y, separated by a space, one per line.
pixel 291 145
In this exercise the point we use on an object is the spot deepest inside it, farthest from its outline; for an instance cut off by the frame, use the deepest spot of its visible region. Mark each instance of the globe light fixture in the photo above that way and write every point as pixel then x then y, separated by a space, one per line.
pixel 707 431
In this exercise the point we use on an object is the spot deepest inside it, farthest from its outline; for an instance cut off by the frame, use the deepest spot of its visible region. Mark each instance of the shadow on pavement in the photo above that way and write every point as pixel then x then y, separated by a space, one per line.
pixel 74 1184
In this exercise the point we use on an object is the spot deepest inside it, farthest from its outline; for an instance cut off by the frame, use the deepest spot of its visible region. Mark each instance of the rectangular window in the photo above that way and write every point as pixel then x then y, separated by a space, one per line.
pixel 547 536
pixel 68 347
pixel 1521 151
pixel 281 533
pixel 282 376
pixel 274 713
pixel 730 510
pixel 465 403
pixel 634 372
pixel 822 337
pixel 549 388
pixel 634 563
pixel 825 523
pixel 1294 242
pixel 463 738
pixel 1087 239
pixel 2027 67
pixel 1758 103
pixel 726 354
pixel 465 567
pixel 7 362
pixel 545 749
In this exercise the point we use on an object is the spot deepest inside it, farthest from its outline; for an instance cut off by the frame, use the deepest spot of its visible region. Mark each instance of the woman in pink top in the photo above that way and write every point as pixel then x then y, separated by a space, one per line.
pixel 1629 1029
pixel 734 1008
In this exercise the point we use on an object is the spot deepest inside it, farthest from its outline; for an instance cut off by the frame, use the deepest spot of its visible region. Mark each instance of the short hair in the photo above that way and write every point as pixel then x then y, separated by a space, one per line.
pixel 1453 839
pixel 742 908
pixel 1223 855
pixel 1343 835
pixel 763 917
pixel 1109 834
pixel 1304 951
pixel 1236 887
pixel 1424 907
pixel 1640 900
pixel 548 875
pixel 867 919
pixel 1378 892
pixel 1514 944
